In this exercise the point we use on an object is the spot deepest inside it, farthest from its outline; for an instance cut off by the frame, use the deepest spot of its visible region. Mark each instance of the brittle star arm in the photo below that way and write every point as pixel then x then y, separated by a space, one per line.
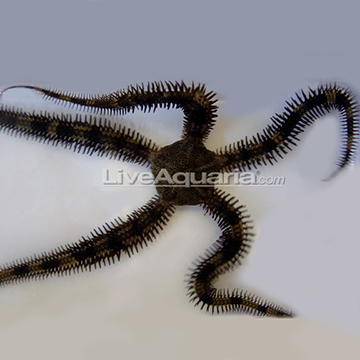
pixel 198 105
pixel 104 246
pixel 87 134
pixel 224 255
pixel 278 137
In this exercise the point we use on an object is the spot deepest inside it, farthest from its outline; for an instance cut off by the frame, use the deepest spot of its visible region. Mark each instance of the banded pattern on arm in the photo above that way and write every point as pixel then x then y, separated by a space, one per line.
pixel 278 137
pixel 104 246
pixel 224 255
pixel 88 134
pixel 198 105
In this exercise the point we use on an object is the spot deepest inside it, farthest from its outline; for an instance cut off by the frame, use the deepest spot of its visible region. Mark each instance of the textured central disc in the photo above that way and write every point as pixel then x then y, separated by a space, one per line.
pixel 182 172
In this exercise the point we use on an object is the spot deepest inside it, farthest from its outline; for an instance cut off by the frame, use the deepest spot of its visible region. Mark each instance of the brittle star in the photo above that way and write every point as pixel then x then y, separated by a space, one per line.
pixel 188 155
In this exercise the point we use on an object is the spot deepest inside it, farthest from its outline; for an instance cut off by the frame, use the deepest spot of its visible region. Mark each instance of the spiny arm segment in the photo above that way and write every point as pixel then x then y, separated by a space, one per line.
pixel 278 138
pixel 198 105
pixel 104 246
pixel 87 134
pixel 223 256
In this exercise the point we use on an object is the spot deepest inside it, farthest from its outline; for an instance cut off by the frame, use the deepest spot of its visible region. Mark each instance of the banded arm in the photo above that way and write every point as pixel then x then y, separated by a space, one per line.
pixel 87 134
pixel 198 105
pixel 223 256
pixel 278 138
pixel 105 245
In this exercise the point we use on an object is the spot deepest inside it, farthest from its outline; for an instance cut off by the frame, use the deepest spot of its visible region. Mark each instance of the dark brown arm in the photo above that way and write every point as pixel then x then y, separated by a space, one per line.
pixel 279 137
pixel 198 105
pixel 225 254
pixel 85 134
pixel 104 246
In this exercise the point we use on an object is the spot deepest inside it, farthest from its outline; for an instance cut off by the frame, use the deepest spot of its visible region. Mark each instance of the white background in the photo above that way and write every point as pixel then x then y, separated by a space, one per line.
pixel 255 55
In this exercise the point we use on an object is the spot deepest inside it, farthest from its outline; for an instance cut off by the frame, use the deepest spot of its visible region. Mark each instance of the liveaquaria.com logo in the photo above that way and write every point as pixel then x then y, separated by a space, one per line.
pixel 189 179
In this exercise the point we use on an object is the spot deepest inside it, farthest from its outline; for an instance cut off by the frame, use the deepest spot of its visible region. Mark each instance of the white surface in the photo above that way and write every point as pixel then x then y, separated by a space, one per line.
pixel 255 55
